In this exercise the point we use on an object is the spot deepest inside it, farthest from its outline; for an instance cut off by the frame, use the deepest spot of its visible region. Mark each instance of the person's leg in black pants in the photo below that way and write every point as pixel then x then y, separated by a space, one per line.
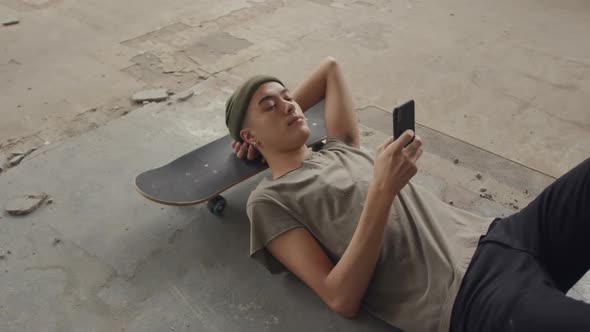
pixel 562 216
pixel 564 212
pixel 555 227
pixel 524 266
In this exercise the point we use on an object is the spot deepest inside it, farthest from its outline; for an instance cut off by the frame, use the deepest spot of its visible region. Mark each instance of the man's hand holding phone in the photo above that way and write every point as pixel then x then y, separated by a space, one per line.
pixel 395 162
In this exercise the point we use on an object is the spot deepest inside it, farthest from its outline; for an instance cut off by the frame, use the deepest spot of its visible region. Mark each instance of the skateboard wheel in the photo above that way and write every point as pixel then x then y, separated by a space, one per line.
pixel 216 205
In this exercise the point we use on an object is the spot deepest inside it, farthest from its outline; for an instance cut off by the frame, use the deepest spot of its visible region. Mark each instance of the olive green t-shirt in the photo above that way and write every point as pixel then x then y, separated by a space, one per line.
pixel 427 243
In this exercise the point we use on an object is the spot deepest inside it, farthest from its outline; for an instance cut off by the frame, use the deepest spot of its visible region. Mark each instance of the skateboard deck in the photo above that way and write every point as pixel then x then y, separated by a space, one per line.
pixel 204 173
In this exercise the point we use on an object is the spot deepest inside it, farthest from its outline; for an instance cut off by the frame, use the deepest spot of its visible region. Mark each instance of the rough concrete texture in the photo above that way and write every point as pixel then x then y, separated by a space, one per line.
pixel 126 263
pixel 499 86
pixel 508 78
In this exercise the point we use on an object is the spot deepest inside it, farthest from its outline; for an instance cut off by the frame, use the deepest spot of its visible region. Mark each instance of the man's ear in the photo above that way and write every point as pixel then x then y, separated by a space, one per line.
pixel 247 136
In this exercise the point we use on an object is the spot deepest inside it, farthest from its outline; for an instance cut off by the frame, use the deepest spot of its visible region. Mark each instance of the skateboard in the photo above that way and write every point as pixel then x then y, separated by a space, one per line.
pixel 204 173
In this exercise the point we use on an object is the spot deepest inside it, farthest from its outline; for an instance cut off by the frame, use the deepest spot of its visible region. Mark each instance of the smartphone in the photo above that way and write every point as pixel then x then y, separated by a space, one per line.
pixel 403 119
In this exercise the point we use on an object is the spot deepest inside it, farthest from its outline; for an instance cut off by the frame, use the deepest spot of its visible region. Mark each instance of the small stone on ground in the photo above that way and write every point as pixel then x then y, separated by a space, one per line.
pixel 486 196
pixel 367 133
pixel 16 160
pixel 514 206
pixel 14 154
pixel 156 95
pixel 25 204
pixel 478 176
pixel 185 95
pixel 10 21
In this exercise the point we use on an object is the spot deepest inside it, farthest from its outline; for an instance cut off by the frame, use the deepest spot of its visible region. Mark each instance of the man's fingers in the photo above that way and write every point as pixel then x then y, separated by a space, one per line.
pixel 417 155
pixel 414 146
pixel 403 140
pixel 242 151
pixel 383 145
pixel 251 152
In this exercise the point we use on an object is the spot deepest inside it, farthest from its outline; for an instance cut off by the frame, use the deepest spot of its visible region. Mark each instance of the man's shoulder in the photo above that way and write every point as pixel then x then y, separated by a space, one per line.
pixel 262 193
pixel 334 144
pixel 356 158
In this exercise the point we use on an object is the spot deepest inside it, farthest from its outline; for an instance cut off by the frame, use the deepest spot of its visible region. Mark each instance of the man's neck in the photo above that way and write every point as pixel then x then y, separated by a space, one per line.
pixel 281 163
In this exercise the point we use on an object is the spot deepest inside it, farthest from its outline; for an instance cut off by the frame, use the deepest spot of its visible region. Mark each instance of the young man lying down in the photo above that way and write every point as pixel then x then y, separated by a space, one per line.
pixel 357 231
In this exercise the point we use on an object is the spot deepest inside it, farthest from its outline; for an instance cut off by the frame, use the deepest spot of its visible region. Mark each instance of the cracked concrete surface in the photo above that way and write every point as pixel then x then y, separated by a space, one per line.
pixel 500 86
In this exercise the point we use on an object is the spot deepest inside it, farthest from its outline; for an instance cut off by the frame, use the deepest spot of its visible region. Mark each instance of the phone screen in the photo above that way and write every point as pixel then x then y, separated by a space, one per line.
pixel 403 119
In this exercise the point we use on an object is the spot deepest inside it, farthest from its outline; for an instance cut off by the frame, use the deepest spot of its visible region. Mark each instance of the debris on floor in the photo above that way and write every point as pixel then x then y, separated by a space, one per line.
pixel 456 161
pixel 514 206
pixel 486 196
pixel 25 204
pixel 185 95
pixel 478 176
pixel 26 153
pixel 10 21
pixel 483 190
pixel 16 160
pixel 56 241
pixel 367 133
pixel 16 157
pixel 155 95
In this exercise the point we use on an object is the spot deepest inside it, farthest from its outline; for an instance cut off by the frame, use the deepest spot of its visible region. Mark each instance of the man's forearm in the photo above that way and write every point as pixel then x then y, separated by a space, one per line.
pixel 313 89
pixel 351 275
pixel 327 82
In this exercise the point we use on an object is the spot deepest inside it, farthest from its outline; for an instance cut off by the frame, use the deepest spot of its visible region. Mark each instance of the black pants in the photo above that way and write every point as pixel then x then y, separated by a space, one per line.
pixel 525 264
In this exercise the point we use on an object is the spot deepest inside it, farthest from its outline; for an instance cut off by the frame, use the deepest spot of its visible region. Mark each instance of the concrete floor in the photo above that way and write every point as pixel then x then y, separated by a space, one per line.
pixel 501 86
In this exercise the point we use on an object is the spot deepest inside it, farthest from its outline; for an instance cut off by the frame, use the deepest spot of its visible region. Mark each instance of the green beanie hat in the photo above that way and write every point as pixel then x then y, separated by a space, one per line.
pixel 237 104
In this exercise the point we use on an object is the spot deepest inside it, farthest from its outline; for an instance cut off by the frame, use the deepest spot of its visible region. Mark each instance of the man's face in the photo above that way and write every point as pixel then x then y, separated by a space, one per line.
pixel 275 119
